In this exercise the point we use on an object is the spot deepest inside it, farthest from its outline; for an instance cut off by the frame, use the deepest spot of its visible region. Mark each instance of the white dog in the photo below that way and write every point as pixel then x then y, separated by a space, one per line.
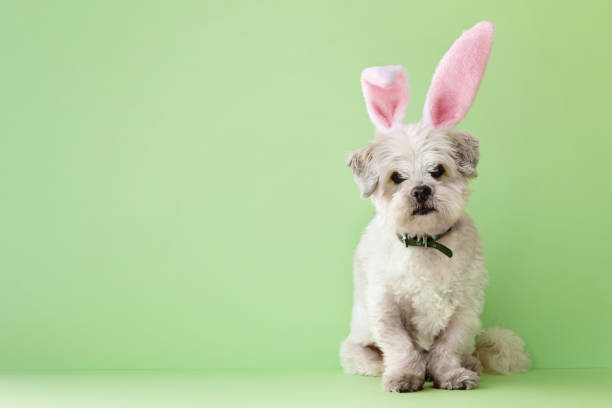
pixel 419 270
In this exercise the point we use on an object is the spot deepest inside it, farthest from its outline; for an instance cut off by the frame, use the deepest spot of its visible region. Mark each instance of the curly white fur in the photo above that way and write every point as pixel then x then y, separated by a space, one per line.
pixel 415 306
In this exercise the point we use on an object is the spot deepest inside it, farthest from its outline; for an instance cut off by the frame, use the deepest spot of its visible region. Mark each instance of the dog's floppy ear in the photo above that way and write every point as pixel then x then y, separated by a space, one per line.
pixel 458 76
pixel 386 94
pixel 364 172
pixel 466 152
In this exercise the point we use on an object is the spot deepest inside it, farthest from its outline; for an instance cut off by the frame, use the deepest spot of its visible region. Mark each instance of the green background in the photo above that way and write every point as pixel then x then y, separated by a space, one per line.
pixel 174 193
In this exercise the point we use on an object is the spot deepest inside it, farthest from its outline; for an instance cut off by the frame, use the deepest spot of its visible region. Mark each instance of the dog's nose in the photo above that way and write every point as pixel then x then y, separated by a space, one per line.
pixel 421 193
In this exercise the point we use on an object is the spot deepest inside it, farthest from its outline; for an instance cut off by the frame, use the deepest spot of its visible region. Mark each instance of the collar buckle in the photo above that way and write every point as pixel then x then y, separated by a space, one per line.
pixel 427 242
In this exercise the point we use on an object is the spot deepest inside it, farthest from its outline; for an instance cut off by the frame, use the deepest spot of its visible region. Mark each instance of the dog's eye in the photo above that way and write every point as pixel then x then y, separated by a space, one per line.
pixel 396 178
pixel 438 171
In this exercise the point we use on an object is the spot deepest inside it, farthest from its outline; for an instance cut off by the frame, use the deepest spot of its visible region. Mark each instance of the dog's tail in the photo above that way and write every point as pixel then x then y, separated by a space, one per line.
pixel 501 351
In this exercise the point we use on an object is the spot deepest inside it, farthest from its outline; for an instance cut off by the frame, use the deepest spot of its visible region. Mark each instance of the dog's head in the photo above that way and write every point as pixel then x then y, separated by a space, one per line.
pixel 416 174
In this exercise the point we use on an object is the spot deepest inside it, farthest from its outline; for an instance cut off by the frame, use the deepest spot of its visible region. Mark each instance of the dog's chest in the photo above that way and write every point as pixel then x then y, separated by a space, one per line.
pixel 431 307
pixel 428 300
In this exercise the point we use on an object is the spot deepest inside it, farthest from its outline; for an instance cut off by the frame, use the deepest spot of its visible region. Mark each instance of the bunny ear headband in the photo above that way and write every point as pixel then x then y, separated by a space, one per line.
pixel 452 90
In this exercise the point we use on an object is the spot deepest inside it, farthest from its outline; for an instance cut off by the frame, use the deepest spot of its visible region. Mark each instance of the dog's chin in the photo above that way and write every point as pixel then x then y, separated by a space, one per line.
pixel 422 220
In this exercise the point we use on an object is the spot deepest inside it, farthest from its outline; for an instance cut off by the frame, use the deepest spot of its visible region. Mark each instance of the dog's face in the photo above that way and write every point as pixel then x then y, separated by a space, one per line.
pixel 417 176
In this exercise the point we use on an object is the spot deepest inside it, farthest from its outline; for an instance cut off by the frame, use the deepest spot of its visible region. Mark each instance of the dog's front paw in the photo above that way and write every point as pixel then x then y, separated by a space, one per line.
pixel 403 382
pixel 457 379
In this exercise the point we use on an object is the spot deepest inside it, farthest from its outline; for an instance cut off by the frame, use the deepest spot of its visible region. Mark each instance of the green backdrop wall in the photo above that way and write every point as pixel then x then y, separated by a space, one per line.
pixel 174 193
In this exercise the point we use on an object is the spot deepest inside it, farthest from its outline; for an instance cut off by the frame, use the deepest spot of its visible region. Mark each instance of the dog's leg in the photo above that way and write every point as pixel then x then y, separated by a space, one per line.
pixel 358 353
pixel 404 364
pixel 446 362
pixel 471 363
pixel 362 359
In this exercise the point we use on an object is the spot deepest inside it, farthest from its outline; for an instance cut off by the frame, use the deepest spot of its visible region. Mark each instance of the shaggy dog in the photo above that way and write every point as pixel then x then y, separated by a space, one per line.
pixel 419 271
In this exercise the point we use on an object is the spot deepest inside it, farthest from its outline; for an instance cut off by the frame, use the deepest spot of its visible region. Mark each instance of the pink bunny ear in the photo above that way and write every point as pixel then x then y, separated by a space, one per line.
pixel 386 94
pixel 457 78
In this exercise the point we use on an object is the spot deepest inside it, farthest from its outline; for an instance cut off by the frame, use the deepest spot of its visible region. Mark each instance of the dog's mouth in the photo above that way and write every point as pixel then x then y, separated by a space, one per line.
pixel 423 210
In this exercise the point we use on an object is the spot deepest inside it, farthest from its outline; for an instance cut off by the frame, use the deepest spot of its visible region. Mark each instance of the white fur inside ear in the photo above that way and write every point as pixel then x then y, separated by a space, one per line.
pixel 382 77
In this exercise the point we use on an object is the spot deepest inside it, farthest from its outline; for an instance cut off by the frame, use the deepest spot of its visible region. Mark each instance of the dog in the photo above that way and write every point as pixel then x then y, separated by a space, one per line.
pixel 419 272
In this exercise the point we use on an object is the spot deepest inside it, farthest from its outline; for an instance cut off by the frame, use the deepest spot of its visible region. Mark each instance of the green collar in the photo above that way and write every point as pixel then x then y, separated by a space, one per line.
pixel 427 242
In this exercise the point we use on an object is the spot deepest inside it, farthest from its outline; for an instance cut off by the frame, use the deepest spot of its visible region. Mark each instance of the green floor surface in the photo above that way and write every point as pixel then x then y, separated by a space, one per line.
pixel 583 388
